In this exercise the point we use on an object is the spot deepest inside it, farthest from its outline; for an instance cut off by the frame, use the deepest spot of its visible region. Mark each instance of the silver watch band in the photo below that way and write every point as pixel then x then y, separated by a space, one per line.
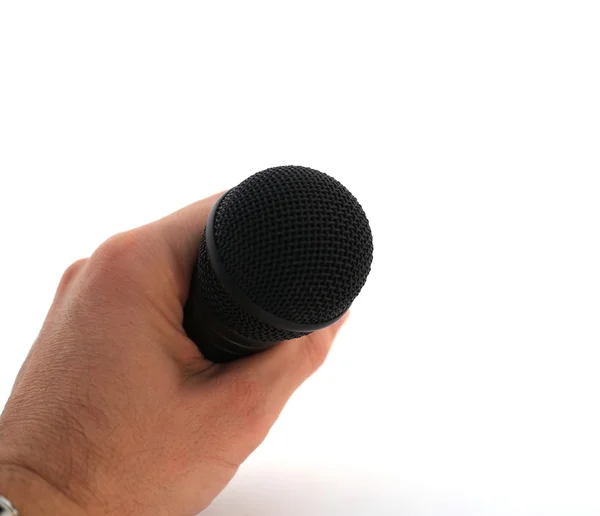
pixel 6 508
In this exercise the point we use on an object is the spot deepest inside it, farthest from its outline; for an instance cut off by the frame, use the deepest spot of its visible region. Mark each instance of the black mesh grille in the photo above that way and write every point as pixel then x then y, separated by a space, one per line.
pixel 226 309
pixel 296 242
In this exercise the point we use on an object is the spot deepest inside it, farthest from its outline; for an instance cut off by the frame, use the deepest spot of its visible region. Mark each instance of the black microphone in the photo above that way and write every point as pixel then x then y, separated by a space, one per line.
pixel 283 254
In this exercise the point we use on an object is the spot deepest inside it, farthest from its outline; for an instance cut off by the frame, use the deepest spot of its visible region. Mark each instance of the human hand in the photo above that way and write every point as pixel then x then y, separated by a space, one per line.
pixel 115 411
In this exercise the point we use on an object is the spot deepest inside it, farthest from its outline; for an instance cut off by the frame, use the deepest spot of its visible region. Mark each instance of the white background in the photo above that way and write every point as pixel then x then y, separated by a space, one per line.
pixel 466 382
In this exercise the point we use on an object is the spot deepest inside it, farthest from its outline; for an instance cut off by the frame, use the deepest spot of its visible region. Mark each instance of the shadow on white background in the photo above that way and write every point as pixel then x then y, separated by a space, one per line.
pixel 306 494
pixel 303 493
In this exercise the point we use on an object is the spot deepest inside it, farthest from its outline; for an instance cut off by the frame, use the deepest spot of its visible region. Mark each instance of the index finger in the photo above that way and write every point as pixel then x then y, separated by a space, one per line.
pixel 180 233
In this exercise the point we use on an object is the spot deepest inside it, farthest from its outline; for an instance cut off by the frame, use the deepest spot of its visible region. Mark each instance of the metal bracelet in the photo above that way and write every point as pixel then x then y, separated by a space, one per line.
pixel 7 508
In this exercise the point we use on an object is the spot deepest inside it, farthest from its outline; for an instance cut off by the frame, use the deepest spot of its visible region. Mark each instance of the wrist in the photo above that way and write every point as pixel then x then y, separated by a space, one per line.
pixel 31 495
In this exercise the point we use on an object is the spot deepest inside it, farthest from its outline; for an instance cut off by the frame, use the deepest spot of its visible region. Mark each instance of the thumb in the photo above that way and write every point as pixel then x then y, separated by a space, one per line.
pixel 279 371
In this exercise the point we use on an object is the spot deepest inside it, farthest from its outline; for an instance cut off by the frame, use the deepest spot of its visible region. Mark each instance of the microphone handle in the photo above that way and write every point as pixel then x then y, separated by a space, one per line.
pixel 216 342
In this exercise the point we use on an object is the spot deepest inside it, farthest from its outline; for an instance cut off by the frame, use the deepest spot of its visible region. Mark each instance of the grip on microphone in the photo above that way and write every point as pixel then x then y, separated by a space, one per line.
pixel 215 340
pixel 283 254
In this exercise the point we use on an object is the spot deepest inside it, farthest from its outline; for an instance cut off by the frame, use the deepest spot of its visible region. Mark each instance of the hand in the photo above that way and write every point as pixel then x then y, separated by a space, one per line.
pixel 115 411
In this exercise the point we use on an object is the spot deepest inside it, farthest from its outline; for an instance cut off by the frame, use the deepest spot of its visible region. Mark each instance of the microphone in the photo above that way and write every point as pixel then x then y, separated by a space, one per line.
pixel 283 254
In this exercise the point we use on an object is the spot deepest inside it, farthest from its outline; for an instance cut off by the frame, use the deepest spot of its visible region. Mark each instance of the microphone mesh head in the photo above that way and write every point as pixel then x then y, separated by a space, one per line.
pixel 296 242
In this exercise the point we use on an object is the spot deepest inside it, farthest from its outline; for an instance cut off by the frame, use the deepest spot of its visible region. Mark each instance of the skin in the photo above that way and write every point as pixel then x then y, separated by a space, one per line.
pixel 115 411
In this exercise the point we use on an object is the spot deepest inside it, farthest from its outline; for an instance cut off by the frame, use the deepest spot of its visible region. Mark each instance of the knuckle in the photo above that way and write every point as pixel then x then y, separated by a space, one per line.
pixel 119 247
pixel 316 352
pixel 116 262
pixel 70 273
pixel 119 254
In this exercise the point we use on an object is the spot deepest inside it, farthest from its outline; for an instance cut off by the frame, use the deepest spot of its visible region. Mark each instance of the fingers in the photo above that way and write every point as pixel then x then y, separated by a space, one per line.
pixel 279 371
pixel 163 253
pixel 249 394
pixel 148 269
pixel 159 256
pixel 181 232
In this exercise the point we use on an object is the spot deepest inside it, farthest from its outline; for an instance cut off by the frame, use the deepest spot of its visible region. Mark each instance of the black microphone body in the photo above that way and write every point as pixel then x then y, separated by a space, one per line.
pixel 283 254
